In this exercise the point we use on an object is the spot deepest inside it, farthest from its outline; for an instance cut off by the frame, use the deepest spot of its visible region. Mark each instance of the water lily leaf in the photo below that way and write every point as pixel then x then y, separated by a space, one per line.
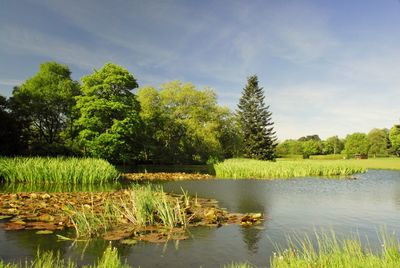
pixel 5 217
pixel 44 232
pixel 129 241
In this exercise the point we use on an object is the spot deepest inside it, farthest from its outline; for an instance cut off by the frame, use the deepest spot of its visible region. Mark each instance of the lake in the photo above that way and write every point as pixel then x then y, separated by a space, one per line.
pixel 296 206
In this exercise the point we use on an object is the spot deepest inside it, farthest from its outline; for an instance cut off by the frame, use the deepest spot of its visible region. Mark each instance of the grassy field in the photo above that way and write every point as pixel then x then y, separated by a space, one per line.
pixel 48 170
pixel 257 169
pixel 330 252
pixel 376 163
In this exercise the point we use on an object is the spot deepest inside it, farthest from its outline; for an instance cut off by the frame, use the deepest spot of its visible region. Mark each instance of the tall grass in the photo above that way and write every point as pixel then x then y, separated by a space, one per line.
pixel 49 259
pixel 46 170
pixel 329 251
pixel 257 169
pixel 141 206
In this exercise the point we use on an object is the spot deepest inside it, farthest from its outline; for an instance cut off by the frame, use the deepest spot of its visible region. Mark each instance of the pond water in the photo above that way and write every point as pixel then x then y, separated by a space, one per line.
pixel 295 206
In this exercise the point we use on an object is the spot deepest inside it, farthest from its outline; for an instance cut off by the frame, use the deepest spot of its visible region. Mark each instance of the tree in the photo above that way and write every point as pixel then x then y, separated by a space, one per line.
pixel 356 144
pixel 332 145
pixel 289 147
pixel 311 147
pixel 378 140
pixel 45 103
pixel 184 124
pixel 109 125
pixel 394 136
pixel 259 140
pixel 10 131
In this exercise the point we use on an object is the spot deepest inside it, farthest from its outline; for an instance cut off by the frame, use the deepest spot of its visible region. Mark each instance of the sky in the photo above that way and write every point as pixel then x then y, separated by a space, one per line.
pixel 328 67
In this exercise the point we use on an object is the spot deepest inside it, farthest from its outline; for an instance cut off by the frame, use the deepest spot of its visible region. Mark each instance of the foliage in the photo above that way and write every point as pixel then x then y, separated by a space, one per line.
pixel 356 143
pixel 379 142
pixel 259 139
pixel 44 102
pixel 311 147
pixel 332 145
pixel 394 136
pixel 36 170
pixel 184 125
pixel 289 147
pixel 109 124
pixel 329 251
pixel 258 169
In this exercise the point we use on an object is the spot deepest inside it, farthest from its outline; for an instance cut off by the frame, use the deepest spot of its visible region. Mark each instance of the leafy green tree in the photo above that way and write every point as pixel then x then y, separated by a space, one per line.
pixel 259 140
pixel 394 136
pixel 311 147
pixel 310 137
pixel 378 140
pixel 356 144
pixel 184 125
pixel 10 131
pixel 332 145
pixel 45 103
pixel 109 125
pixel 289 147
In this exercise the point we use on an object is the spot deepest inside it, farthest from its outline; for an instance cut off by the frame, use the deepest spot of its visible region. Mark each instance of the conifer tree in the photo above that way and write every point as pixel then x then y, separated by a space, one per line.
pixel 259 140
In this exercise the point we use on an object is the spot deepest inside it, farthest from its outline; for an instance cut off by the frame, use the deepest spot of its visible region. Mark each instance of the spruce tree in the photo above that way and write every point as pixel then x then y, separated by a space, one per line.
pixel 259 140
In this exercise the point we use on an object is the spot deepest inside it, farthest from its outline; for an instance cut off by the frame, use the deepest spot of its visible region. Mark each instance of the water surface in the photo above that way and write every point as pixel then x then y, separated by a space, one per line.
pixel 299 206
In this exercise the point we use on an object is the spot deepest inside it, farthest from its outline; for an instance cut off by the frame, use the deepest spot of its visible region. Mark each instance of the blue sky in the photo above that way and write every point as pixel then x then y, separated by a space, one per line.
pixel 328 67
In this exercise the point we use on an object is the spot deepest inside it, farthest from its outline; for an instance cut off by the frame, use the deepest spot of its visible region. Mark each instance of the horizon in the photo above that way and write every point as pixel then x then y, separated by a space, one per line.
pixel 327 69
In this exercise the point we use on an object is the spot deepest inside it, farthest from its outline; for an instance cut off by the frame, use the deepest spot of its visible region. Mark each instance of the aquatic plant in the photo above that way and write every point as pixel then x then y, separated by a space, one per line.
pixel 48 259
pixel 258 169
pixel 329 251
pixel 46 170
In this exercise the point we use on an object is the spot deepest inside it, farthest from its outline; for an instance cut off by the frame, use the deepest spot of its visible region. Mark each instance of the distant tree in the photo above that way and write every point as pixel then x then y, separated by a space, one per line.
pixel 44 102
pixel 378 141
pixel 109 125
pixel 311 147
pixel 310 137
pixel 332 145
pixel 356 143
pixel 289 147
pixel 259 140
pixel 394 136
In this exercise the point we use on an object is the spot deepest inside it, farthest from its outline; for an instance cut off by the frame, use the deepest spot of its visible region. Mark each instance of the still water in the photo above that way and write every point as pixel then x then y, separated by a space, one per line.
pixel 296 206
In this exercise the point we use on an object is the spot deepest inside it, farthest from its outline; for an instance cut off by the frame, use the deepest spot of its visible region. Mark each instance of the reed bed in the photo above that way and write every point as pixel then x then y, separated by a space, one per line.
pixel 257 169
pixel 46 170
pixel 48 259
pixel 328 251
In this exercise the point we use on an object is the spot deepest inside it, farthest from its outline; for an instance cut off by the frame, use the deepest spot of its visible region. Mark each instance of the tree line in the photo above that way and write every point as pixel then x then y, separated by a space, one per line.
pixel 106 115
pixel 375 143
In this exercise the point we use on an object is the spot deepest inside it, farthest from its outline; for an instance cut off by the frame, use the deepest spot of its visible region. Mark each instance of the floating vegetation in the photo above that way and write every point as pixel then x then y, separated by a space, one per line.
pixel 258 169
pixel 141 213
pixel 46 170
pixel 328 251
pixel 166 176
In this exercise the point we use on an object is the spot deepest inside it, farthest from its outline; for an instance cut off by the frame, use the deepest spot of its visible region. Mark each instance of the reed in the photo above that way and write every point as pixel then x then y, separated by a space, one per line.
pixel 329 251
pixel 48 259
pixel 46 170
pixel 257 169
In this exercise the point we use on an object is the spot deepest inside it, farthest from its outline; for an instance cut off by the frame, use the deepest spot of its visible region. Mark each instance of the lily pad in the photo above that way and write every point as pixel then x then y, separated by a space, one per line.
pixel 129 241
pixel 44 232
pixel 5 217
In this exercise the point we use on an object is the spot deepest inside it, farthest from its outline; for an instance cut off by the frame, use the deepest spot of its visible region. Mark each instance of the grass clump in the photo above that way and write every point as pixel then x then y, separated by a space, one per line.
pixel 48 259
pixel 328 251
pixel 258 169
pixel 47 170
pixel 140 206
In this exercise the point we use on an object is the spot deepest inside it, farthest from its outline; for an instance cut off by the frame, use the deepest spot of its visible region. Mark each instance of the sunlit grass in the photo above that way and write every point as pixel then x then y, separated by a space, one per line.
pixel 392 163
pixel 46 170
pixel 257 169
pixel 48 259
pixel 327 251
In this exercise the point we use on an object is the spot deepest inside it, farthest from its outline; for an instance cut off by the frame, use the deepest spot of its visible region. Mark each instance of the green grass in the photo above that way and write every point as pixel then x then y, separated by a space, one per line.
pixel 141 206
pixel 331 252
pixel 49 259
pixel 46 170
pixel 376 163
pixel 257 169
